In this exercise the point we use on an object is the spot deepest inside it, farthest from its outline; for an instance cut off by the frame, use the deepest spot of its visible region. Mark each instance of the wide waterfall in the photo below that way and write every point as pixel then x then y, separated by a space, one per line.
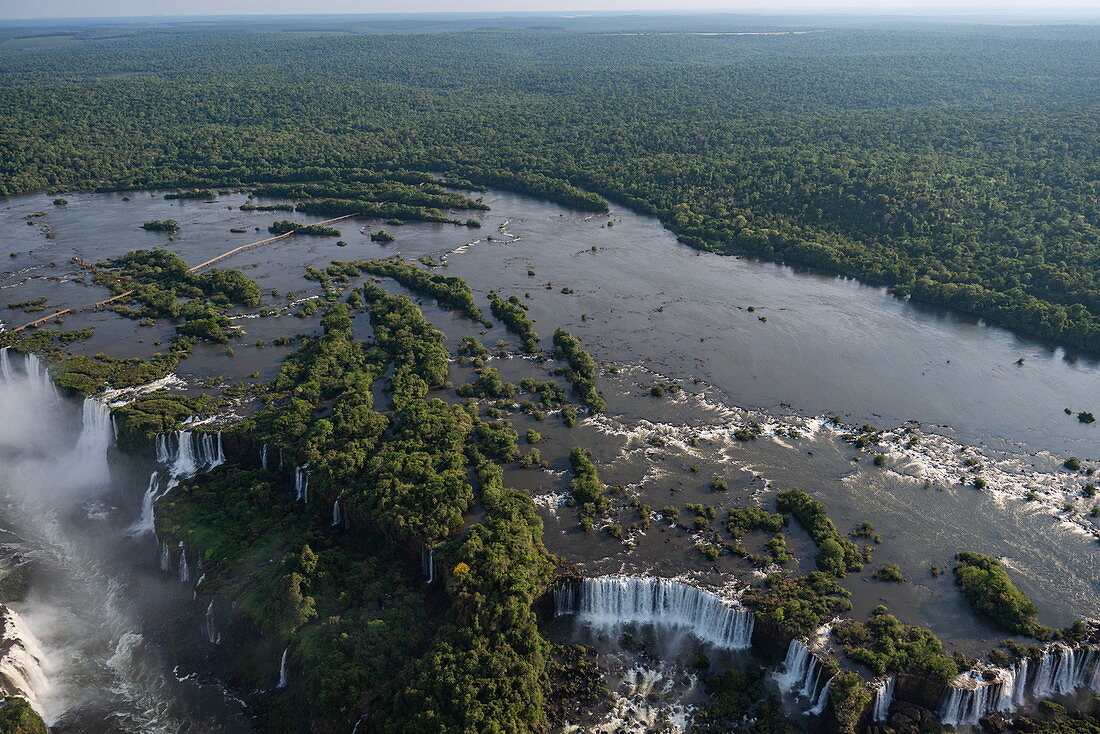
pixel 22 661
pixel 884 696
pixel 1061 670
pixel 614 600
pixel 192 453
pixel 802 675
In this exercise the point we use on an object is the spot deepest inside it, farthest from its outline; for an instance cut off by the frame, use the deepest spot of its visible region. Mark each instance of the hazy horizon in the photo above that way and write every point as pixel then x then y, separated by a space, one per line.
pixel 214 9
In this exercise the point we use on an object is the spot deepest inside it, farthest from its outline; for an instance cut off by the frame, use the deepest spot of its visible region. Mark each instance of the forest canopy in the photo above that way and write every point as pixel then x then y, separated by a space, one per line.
pixel 858 151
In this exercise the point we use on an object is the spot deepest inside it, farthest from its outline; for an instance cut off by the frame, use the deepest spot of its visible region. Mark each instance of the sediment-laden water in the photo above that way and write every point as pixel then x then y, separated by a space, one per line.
pixel 754 345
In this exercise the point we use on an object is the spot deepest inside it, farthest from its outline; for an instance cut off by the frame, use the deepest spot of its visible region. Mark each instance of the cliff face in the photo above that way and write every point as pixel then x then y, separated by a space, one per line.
pixel 919 691
pixel 17 717
pixel 769 642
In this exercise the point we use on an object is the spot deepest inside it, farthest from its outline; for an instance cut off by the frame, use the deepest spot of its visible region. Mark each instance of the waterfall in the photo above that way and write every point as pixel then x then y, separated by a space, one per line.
pixel 301 483
pixel 263 457
pixel 210 452
pixel 209 626
pixel 1061 670
pixel 822 699
pixel 5 364
pixel 1089 666
pixel 184 463
pixel 1057 672
pixel 802 676
pixel 164 454
pixel 431 565
pixel 40 376
pixel 145 523
pixel 971 696
pixel 884 696
pixel 165 558
pixel 335 512
pixel 282 669
pixel 96 436
pixel 184 571
pixel 614 600
pixel 194 452
pixel 21 660
pixel 966 700
pixel 1019 688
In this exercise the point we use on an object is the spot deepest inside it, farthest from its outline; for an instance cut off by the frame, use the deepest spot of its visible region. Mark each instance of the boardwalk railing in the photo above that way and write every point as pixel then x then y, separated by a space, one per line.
pixel 200 266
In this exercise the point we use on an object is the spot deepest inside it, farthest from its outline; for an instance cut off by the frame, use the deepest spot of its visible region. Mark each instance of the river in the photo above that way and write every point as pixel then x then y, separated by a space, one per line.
pixel 750 342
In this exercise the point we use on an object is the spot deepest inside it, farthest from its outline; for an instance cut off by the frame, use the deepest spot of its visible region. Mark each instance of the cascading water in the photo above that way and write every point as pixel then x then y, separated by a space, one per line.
pixel 1056 673
pixel 822 699
pixel 283 670
pixel 614 600
pixel 184 464
pixel 194 452
pixel 1019 685
pixel 884 696
pixel 145 523
pixel 301 483
pixel 21 660
pixel 184 570
pixel 1061 670
pixel 164 454
pixel 210 626
pixel 968 698
pixel 39 375
pixel 96 436
pixel 263 457
pixel 335 513
pixel 210 452
pixel 90 596
pixel 803 676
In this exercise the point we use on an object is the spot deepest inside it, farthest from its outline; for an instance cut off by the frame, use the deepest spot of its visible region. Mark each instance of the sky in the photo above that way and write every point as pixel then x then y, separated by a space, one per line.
pixel 12 9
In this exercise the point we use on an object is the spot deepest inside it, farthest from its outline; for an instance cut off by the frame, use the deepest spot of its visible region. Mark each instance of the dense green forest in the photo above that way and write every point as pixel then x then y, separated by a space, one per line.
pixel 958 165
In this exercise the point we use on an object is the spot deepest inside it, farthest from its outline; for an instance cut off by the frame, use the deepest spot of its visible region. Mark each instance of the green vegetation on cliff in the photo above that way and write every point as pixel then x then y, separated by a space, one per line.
pixel 140 420
pixel 743 704
pixel 362 640
pixel 798 606
pixel 17 717
pixel 849 701
pixel 886 645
